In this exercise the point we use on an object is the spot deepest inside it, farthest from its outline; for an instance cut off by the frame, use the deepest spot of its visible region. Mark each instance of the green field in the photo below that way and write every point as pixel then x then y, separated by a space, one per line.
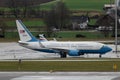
pixel 27 23
pixel 85 5
pixel 72 34
pixel 88 5
pixel 101 66
pixel 32 22
pixel 63 34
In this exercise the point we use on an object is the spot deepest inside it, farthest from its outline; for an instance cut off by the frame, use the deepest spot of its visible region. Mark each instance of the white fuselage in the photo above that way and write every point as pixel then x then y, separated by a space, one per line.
pixel 63 45
pixel 73 45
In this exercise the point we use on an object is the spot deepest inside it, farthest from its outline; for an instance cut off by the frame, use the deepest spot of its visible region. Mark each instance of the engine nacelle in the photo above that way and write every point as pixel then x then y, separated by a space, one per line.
pixel 73 53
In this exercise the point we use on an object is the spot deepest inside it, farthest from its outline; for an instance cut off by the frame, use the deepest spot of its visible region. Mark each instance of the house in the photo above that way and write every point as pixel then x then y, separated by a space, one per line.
pixel 108 6
pixel 79 22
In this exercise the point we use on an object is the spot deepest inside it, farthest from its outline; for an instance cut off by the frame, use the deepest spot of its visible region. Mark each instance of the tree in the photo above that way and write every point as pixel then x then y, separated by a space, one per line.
pixel 50 21
pixel 13 5
pixel 19 8
pixel 25 7
pixel 109 20
pixel 2 12
pixel 58 17
pixel 62 15
pixel 2 28
pixel 105 21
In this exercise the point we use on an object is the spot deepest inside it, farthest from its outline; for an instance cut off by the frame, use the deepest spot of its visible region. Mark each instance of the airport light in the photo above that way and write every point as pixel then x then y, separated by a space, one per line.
pixel 116 38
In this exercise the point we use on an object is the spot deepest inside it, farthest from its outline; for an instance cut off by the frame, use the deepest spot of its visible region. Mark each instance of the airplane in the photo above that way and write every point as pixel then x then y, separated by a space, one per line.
pixel 63 48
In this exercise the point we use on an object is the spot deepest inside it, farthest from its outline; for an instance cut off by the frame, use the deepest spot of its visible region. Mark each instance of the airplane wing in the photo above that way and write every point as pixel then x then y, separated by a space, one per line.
pixel 64 50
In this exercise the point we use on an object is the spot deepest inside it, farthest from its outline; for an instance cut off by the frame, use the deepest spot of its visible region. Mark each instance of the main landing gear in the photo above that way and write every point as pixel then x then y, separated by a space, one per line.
pixel 100 55
pixel 63 54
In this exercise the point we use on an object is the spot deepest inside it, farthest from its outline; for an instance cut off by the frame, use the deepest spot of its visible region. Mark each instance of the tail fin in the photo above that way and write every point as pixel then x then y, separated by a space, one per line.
pixel 24 33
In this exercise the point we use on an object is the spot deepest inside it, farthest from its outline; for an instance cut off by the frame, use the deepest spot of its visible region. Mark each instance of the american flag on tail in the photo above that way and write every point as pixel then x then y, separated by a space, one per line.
pixel 22 31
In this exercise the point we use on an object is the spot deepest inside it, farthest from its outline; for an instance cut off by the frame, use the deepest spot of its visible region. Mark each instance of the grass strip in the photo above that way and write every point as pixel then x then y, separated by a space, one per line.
pixel 101 66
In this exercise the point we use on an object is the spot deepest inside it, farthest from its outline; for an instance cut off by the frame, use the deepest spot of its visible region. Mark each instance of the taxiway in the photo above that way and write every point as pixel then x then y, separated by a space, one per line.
pixel 60 76
pixel 14 51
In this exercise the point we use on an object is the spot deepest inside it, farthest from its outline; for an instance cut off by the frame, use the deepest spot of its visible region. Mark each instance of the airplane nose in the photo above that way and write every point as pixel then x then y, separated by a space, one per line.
pixel 107 49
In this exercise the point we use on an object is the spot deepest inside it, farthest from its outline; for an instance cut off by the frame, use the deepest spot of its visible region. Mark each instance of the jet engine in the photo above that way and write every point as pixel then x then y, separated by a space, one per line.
pixel 73 53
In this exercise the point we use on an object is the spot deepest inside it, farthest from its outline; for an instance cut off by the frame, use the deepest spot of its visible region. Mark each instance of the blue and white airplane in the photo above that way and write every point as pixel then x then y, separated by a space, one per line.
pixel 62 48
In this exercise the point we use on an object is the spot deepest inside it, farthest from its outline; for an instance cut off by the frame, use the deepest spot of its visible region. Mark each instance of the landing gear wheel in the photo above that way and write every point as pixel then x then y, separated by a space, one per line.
pixel 63 54
pixel 100 56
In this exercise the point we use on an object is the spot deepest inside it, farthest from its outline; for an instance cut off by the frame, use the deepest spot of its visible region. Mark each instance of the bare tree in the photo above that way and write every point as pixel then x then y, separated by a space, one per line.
pixel 105 21
pixel 24 6
pixel 13 7
pixel 62 15
pixel 19 8
pixel 2 12
pixel 58 17
pixel 50 20
pixel 2 29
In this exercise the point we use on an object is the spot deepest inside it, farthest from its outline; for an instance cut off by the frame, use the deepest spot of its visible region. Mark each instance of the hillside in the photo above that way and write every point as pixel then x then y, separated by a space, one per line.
pixel 4 3
pixel 96 5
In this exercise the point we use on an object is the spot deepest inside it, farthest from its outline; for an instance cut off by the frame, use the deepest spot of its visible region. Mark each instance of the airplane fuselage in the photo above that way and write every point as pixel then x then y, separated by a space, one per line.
pixel 79 48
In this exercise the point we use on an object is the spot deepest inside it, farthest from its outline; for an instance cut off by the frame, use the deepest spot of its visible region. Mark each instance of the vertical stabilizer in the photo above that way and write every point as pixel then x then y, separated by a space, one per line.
pixel 24 33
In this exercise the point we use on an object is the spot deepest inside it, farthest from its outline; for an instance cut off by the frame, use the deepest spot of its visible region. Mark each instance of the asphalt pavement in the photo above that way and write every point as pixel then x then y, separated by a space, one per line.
pixel 59 75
